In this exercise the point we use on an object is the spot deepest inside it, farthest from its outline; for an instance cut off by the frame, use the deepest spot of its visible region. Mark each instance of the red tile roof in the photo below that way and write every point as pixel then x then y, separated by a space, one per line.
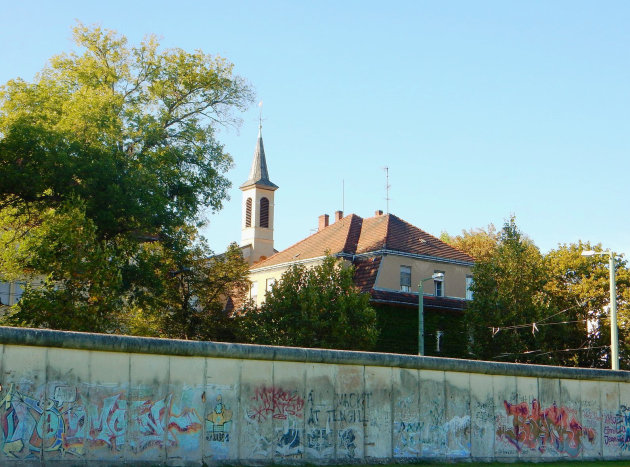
pixel 355 235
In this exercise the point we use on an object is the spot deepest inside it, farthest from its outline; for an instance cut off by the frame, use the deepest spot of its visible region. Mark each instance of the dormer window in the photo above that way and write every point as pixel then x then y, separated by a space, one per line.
pixel 248 212
pixel 264 212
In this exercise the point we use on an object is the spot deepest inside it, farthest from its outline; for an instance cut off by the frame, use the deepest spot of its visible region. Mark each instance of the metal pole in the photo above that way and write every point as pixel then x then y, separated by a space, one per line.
pixel 421 319
pixel 614 338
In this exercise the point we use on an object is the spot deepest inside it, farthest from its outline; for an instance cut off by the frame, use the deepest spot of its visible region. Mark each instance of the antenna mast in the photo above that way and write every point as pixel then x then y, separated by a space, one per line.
pixel 387 187
pixel 343 195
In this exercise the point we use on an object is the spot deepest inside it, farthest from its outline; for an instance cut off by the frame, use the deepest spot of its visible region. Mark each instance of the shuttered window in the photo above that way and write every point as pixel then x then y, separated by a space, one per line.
pixel 264 212
pixel 248 212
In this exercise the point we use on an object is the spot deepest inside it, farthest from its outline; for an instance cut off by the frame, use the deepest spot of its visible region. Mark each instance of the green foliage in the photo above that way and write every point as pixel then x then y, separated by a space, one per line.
pixel 478 243
pixel 549 309
pixel 192 301
pixel 108 149
pixel 507 292
pixel 83 283
pixel 128 130
pixel 398 331
pixel 192 305
pixel 578 292
pixel 313 307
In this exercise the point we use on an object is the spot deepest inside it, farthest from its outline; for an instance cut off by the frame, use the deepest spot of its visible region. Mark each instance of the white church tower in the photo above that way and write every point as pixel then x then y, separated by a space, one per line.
pixel 257 209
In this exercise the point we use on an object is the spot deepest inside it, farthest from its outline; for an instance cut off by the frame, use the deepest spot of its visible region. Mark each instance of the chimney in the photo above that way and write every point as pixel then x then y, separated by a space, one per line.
pixel 338 215
pixel 323 222
pixel 378 213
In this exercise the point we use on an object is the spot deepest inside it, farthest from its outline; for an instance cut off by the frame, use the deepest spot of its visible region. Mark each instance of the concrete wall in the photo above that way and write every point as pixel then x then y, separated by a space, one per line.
pixel 87 398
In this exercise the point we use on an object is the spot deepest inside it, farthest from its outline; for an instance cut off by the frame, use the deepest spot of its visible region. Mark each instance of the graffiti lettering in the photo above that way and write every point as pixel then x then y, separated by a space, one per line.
pixel 275 402
pixel 554 427
pixel 65 422
pixel 348 416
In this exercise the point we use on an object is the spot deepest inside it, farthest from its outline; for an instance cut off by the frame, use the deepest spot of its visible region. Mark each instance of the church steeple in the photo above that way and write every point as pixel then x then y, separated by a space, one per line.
pixel 259 175
pixel 258 207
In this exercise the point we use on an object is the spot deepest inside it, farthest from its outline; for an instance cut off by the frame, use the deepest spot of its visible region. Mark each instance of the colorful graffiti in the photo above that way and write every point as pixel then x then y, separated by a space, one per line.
pixel 53 416
pixel 275 402
pixel 554 427
pixel 62 420
pixel 218 428
pixel 617 428
pixel 219 421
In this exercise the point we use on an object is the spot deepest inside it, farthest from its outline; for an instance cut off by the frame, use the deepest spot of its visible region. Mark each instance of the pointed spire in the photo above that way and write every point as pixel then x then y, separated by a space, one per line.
pixel 258 175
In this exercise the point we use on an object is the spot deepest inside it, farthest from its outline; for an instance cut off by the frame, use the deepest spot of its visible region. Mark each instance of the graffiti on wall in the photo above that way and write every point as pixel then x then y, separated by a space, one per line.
pixel 219 421
pixel 286 408
pixel 407 438
pixel 275 402
pixel 62 420
pixel 319 431
pixel 81 422
pixel 617 428
pixel 554 428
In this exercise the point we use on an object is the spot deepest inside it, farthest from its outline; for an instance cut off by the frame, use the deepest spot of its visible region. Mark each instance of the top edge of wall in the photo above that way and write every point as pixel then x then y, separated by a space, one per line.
pixel 148 345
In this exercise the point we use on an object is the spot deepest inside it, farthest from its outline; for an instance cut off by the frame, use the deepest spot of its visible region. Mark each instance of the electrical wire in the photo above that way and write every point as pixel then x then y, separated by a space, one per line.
pixel 534 325
pixel 539 352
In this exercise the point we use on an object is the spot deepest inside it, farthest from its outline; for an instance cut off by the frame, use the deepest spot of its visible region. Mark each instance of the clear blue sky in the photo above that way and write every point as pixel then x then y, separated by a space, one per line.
pixel 480 109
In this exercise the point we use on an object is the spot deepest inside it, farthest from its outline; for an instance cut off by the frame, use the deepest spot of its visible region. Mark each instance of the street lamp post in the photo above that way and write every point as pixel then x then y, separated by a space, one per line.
pixel 437 275
pixel 614 337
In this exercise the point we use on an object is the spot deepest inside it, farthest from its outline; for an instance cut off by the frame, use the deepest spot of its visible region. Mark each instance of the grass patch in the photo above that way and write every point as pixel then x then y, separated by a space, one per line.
pixel 574 463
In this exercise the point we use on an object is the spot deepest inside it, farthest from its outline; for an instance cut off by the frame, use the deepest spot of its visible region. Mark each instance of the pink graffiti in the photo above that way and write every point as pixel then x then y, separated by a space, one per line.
pixel 277 403
pixel 539 429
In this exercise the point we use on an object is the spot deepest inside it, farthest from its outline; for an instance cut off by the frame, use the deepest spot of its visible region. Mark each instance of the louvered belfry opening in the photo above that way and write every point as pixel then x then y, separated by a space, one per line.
pixel 248 212
pixel 264 212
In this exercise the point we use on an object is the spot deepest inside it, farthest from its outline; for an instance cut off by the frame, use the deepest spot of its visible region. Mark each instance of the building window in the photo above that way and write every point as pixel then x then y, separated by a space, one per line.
pixel 19 290
pixel 438 283
pixel 469 293
pixel 5 293
pixel 438 341
pixel 405 278
pixel 270 284
pixel 264 212
pixel 248 212
pixel 253 291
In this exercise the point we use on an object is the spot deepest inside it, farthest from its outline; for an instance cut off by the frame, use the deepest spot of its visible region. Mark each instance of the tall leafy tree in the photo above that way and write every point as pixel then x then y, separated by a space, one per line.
pixel 506 295
pixel 578 294
pixel 313 307
pixel 193 295
pixel 110 147
pixel 549 309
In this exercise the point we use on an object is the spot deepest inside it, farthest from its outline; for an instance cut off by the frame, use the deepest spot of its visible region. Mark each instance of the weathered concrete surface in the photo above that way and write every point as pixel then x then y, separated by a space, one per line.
pixel 86 399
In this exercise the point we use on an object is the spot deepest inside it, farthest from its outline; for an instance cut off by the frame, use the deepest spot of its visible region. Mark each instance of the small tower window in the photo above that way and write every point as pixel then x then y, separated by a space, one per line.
pixel 264 212
pixel 248 212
